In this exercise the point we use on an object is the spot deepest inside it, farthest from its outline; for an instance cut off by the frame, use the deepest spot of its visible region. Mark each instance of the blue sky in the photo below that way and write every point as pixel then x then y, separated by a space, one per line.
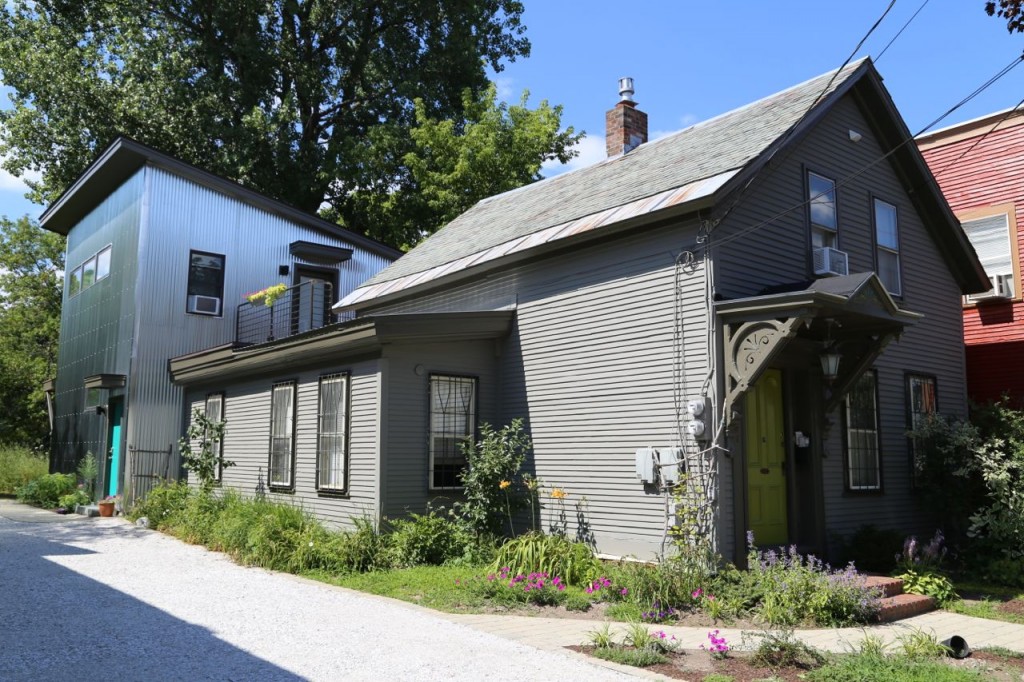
pixel 693 59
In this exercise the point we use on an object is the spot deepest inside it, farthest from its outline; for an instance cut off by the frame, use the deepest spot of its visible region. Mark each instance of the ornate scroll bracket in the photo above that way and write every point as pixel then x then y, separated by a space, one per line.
pixel 749 348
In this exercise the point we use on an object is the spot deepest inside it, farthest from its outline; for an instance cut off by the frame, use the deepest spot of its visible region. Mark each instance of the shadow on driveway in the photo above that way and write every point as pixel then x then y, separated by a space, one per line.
pixel 57 624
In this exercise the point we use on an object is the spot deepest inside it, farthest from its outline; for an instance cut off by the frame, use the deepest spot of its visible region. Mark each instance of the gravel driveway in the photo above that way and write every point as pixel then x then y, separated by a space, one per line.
pixel 88 599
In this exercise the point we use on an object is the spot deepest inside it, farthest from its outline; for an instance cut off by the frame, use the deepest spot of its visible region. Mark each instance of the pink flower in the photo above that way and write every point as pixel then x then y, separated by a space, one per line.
pixel 624 591
pixel 696 593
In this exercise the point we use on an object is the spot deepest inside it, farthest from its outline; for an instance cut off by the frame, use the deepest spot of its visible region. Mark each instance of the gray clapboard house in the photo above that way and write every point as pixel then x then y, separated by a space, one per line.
pixel 762 303
pixel 159 257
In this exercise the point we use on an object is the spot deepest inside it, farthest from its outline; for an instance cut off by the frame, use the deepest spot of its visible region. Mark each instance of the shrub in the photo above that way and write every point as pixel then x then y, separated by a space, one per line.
pixel 72 500
pixel 781 649
pixel 663 587
pixel 46 490
pixel 205 461
pixel 162 501
pixel 795 588
pixel 18 466
pixel 88 471
pixel 427 539
pixel 928 583
pixel 640 658
pixel 493 488
pixel 552 554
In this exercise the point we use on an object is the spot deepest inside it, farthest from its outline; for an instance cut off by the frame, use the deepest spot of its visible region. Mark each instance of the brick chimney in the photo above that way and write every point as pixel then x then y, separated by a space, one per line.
pixel 625 125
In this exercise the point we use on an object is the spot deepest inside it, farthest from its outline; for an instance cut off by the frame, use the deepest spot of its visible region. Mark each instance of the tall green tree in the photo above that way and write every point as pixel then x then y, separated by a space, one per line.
pixel 31 280
pixel 308 101
pixel 456 163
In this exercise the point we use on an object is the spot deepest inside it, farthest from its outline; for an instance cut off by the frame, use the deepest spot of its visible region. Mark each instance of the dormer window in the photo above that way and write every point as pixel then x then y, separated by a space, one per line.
pixel 821 197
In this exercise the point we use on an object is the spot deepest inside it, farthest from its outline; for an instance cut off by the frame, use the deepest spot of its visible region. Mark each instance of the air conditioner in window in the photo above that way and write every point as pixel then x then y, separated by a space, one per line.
pixel 829 261
pixel 204 305
pixel 1002 289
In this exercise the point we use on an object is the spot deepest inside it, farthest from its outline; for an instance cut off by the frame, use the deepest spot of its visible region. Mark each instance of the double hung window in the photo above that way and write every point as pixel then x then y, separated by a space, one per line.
pixel 332 432
pixel 282 435
pixel 214 414
pixel 991 238
pixel 821 197
pixel 887 246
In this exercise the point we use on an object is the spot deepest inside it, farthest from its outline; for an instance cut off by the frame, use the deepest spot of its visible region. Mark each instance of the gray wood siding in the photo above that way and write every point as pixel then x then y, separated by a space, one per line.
pixel 589 365
pixel 779 253
pixel 407 457
pixel 247 441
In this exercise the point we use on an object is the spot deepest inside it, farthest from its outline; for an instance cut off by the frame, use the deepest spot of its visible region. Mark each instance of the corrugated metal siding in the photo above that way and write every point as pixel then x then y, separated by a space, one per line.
pixel 184 216
pixel 97 325
pixel 779 253
pixel 990 172
pixel 589 365
pixel 247 441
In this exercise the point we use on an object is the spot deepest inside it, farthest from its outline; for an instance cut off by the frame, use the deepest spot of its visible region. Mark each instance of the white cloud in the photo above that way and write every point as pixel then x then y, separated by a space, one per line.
pixel 10 183
pixel 591 150
pixel 504 88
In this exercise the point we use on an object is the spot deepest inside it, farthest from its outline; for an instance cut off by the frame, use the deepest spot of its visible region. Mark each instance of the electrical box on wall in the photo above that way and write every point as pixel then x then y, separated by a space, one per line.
pixel 645 469
pixel 672 463
pixel 699 426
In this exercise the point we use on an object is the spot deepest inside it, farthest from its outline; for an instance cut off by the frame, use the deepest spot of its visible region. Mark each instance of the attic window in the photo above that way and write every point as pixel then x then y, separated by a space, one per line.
pixel 821 198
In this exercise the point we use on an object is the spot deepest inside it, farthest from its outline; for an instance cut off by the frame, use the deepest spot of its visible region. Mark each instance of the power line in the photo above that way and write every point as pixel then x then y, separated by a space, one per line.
pixel 1002 72
pixel 795 126
pixel 967 151
pixel 900 32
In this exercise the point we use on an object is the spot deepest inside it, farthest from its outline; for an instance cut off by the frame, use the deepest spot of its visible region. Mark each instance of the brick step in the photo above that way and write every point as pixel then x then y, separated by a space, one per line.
pixel 890 587
pixel 902 606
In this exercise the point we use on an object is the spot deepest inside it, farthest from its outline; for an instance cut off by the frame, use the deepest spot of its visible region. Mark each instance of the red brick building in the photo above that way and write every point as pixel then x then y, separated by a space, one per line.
pixel 979 166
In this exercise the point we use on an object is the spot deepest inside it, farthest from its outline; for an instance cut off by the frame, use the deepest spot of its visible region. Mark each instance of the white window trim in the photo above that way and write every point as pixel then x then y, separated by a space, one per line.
pixel 1008 210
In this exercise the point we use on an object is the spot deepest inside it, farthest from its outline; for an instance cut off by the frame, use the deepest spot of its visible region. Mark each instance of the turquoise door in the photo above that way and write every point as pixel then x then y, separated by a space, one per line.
pixel 114 443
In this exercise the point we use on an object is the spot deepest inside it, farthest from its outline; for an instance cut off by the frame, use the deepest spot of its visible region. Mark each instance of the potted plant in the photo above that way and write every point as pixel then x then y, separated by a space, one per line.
pixel 107 505
pixel 267 296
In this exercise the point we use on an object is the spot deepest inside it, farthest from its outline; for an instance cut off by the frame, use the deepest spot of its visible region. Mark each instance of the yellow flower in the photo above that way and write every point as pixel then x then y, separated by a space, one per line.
pixel 504 484
pixel 558 494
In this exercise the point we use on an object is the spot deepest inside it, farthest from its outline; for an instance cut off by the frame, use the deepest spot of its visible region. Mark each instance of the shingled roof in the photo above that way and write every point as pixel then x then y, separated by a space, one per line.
pixel 691 164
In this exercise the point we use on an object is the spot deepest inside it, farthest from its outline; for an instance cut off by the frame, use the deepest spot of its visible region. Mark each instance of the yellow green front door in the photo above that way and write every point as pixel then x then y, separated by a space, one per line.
pixel 766 481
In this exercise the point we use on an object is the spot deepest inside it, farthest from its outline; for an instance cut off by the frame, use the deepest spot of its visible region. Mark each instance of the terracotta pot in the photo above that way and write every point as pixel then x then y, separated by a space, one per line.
pixel 106 508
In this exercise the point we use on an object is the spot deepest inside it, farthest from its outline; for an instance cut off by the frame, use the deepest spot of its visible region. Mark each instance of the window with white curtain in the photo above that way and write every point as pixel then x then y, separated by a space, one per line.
pixel 332 432
pixel 214 414
pixel 452 423
pixel 990 237
pixel 282 434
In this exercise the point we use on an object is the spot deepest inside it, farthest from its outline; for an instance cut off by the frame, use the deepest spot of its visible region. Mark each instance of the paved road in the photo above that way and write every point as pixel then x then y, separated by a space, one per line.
pixel 94 598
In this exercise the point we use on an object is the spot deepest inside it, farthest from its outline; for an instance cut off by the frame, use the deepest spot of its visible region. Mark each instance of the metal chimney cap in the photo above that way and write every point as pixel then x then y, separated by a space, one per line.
pixel 626 89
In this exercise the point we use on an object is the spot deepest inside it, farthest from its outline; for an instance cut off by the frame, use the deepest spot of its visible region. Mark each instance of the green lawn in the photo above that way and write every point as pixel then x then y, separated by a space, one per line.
pixel 982 599
pixel 436 587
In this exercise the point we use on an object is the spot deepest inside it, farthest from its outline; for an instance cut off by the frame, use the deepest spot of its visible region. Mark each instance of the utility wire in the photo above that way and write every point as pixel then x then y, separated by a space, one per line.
pixel 967 151
pixel 824 91
pixel 1002 72
pixel 900 32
